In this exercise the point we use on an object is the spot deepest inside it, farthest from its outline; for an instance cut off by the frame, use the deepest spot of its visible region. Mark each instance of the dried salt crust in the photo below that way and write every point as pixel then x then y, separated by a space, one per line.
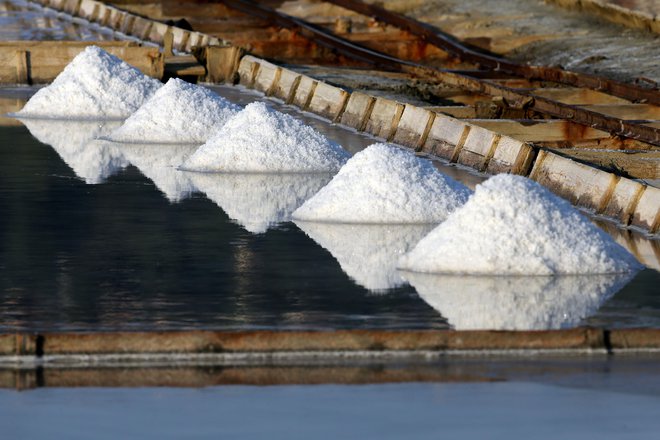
pixel 514 226
pixel 261 140
pixel 385 184
pixel 179 112
pixel 94 85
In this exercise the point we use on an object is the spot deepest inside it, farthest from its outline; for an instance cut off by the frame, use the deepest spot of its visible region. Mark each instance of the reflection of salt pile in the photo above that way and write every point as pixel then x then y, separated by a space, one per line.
pixel 177 113
pixel 91 160
pixel 258 201
pixel 385 184
pixel 95 85
pixel 158 163
pixel 514 226
pixel 262 140
pixel 516 303
pixel 367 253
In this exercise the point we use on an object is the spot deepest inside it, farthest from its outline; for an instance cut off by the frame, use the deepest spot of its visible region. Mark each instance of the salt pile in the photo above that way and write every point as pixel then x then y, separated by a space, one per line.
pixel 158 163
pixel 514 226
pixel 95 85
pixel 262 140
pixel 259 201
pixel 514 302
pixel 179 112
pixel 367 253
pixel 385 184
pixel 91 160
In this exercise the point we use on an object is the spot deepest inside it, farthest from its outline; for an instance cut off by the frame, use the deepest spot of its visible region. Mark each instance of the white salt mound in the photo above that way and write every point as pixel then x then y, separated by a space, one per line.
pixel 262 140
pixel 385 184
pixel 91 160
pixel 179 112
pixel 515 302
pixel 158 163
pixel 95 85
pixel 514 226
pixel 259 201
pixel 368 254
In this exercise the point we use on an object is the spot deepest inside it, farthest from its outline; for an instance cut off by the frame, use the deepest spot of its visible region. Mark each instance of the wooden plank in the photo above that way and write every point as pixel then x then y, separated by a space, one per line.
pixel 570 95
pixel 533 130
pixel 456 111
pixel 628 111
pixel 48 58
pixel 635 164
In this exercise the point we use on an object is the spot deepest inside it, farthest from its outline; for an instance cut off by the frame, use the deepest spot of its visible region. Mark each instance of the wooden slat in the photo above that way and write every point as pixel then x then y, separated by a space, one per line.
pixel 571 95
pixel 48 58
pixel 628 111
pixel 541 130
pixel 638 164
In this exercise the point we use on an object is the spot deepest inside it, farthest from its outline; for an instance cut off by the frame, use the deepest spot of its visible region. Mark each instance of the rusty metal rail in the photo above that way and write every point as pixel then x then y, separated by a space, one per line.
pixel 526 98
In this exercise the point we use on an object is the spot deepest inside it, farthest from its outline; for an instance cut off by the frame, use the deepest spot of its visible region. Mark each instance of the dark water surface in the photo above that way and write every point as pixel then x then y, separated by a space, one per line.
pixel 97 236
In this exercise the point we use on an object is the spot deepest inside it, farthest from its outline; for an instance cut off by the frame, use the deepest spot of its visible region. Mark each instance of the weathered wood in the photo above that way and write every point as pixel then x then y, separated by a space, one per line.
pixel 222 63
pixel 22 67
pixel 636 164
pixel 48 58
pixel 570 95
pixel 541 130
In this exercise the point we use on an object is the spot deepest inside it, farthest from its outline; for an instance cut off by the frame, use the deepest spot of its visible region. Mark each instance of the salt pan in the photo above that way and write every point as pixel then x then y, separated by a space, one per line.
pixel 514 226
pixel 259 201
pixel 91 160
pixel 385 184
pixel 95 85
pixel 367 253
pixel 179 112
pixel 514 302
pixel 262 140
pixel 158 163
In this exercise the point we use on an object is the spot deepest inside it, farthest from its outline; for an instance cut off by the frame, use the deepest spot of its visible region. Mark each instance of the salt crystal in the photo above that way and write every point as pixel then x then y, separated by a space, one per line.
pixel 259 201
pixel 95 85
pixel 158 163
pixel 91 160
pixel 179 112
pixel 514 226
pixel 515 302
pixel 385 184
pixel 262 140
pixel 367 253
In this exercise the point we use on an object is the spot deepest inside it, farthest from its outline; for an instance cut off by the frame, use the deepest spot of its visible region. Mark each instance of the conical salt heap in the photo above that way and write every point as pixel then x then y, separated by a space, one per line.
pixel 385 184
pixel 514 226
pixel 95 85
pixel 262 140
pixel 179 112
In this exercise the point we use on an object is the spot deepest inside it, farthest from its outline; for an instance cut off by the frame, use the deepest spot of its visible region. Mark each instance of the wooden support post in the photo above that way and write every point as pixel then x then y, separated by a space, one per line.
pixel 222 63
pixel 168 43
pixel 22 67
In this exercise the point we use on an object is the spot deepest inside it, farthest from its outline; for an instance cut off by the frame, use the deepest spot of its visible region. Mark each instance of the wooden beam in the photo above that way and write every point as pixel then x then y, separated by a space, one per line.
pixel 48 58
pixel 637 164
pixel 532 130
pixel 570 95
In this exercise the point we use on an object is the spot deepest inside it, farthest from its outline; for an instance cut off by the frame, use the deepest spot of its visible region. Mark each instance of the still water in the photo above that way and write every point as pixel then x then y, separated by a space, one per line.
pixel 104 236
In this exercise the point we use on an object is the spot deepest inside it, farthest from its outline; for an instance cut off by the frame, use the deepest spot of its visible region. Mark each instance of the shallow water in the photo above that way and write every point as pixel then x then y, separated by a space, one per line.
pixel 102 236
